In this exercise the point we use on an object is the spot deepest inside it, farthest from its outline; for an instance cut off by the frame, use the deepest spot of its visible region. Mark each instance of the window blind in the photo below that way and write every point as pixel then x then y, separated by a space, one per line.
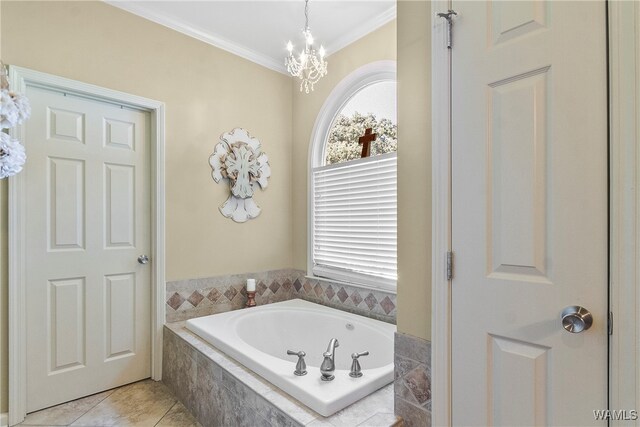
pixel 355 221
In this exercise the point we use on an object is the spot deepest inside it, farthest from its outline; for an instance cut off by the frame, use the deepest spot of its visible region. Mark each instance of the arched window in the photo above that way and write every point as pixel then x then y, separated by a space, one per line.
pixel 353 199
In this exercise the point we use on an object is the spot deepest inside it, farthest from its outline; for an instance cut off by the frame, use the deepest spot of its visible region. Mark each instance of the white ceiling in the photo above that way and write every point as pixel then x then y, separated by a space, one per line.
pixel 259 30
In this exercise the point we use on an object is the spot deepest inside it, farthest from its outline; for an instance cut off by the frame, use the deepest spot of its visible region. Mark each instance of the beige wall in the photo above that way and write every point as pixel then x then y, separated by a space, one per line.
pixel 379 45
pixel 414 168
pixel 207 91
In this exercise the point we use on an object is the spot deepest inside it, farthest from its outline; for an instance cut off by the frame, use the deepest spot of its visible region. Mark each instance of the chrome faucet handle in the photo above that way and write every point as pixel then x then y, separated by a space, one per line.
pixel 356 370
pixel 301 366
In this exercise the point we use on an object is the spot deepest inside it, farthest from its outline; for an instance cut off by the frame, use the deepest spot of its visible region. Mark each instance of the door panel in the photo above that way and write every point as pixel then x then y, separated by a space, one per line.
pixel 87 221
pixel 529 211
pixel 66 205
pixel 67 310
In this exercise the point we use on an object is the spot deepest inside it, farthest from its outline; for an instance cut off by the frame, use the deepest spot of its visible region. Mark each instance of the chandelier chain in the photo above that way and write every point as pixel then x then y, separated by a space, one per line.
pixel 306 14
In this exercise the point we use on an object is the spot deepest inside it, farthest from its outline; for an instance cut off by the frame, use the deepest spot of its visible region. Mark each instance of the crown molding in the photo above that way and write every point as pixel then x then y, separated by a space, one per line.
pixel 237 49
pixel 204 36
pixel 362 30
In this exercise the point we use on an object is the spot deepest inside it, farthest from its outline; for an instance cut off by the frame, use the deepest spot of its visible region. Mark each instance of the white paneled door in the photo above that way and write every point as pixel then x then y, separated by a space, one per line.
pixel 529 212
pixel 87 221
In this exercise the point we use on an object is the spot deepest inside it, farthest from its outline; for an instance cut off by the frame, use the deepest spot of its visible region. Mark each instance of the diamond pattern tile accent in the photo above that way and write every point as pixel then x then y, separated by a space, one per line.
pixel 274 286
pixel 230 293
pixel 195 298
pixel 342 295
pixel 387 305
pixel 307 287
pixel 419 383
pixel 278 285
pixel 175 301
pixel 356 298
pixel 371 301
pixel 330 293
pixel 261 287
pixel 214 295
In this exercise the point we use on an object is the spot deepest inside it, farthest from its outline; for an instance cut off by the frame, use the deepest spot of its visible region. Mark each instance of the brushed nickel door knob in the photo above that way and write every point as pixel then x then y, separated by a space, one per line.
pixel 576 319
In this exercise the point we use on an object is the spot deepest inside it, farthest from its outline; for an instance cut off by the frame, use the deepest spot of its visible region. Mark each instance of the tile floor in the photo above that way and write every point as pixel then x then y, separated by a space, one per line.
pixel 145 403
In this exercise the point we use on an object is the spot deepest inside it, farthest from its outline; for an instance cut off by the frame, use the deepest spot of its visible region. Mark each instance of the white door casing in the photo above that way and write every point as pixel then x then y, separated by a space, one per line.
pixel 87 220
pixel 102 284
pixel 624 48
pixel 529 212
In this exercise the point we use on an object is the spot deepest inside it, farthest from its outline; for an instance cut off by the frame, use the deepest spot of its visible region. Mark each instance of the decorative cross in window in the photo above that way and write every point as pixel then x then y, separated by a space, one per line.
pixel 366 141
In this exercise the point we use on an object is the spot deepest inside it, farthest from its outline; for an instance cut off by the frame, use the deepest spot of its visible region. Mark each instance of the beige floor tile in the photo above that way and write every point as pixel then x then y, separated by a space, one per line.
pixel 65 414
pixel 140 404
pixel 178 416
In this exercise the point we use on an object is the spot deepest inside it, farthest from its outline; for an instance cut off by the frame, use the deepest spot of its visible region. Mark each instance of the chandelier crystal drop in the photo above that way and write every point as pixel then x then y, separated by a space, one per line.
pixel 310 66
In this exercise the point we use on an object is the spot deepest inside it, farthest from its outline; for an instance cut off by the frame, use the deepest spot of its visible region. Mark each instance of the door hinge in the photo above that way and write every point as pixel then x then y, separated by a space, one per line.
pixel 610 323
pixel 448 16
pixel 449 265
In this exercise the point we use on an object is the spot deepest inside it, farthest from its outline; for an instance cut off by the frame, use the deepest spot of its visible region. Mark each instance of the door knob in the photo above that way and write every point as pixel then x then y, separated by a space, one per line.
pixel 143 259
pixel 576 319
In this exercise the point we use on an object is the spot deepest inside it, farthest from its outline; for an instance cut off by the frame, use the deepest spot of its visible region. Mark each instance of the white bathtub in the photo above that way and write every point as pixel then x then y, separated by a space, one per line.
pixel 260 337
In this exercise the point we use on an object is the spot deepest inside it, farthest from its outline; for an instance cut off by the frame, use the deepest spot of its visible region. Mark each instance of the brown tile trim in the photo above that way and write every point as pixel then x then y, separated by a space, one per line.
pixel 412 384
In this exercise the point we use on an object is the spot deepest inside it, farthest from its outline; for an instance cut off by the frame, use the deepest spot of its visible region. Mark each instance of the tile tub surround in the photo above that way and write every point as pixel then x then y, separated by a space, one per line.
pixel 221 392
pixel 190 298
pixel 412 384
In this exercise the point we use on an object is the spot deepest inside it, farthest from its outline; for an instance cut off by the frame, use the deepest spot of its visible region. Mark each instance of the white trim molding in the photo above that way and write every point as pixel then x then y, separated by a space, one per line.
pixel 20 79
pixel 277 64
pixel 362 29
pixel 441 226
pixel 624 63
pixel 374 72
pixel 202 35
pixel 4 417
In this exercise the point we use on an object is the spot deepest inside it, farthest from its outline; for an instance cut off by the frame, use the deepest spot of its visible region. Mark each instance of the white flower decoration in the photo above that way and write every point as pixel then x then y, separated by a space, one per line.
pixel 238 159
pixel 12 156
pixel 14 109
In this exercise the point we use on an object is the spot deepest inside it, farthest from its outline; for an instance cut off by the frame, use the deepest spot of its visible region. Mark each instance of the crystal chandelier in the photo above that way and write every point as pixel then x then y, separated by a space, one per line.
pixel 309 67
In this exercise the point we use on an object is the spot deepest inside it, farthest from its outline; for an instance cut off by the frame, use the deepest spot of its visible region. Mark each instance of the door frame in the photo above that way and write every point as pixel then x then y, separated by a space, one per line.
pixel 441 214
pixel 624 205
pixel 624 254
pixel 20 79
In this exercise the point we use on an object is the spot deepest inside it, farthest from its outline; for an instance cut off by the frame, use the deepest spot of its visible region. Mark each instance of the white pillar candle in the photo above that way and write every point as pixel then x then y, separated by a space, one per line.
pixel 251 285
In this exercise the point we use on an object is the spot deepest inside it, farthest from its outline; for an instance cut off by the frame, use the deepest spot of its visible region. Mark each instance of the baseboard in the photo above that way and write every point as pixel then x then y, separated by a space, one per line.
pixel 4 419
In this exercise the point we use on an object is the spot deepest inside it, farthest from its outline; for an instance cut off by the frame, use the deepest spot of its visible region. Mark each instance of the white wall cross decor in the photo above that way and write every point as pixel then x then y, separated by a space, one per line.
pixel 238 159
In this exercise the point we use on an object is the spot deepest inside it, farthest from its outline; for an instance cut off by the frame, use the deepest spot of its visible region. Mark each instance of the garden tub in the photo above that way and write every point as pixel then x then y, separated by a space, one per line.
pixel 259 338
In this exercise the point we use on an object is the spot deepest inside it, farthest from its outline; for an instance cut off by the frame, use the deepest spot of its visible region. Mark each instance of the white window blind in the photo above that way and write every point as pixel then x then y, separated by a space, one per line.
pixel 355 221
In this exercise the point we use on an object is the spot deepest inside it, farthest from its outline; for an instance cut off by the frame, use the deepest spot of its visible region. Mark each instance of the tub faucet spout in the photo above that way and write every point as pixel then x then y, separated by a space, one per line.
pixel 328 364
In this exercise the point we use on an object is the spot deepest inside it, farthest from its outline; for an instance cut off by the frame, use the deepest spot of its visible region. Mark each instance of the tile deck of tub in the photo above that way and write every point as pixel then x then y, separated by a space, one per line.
pixel 375 410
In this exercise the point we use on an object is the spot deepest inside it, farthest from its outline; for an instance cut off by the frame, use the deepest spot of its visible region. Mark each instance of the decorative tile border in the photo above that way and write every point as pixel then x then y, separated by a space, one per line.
pixel 412 385
pixel 186 299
